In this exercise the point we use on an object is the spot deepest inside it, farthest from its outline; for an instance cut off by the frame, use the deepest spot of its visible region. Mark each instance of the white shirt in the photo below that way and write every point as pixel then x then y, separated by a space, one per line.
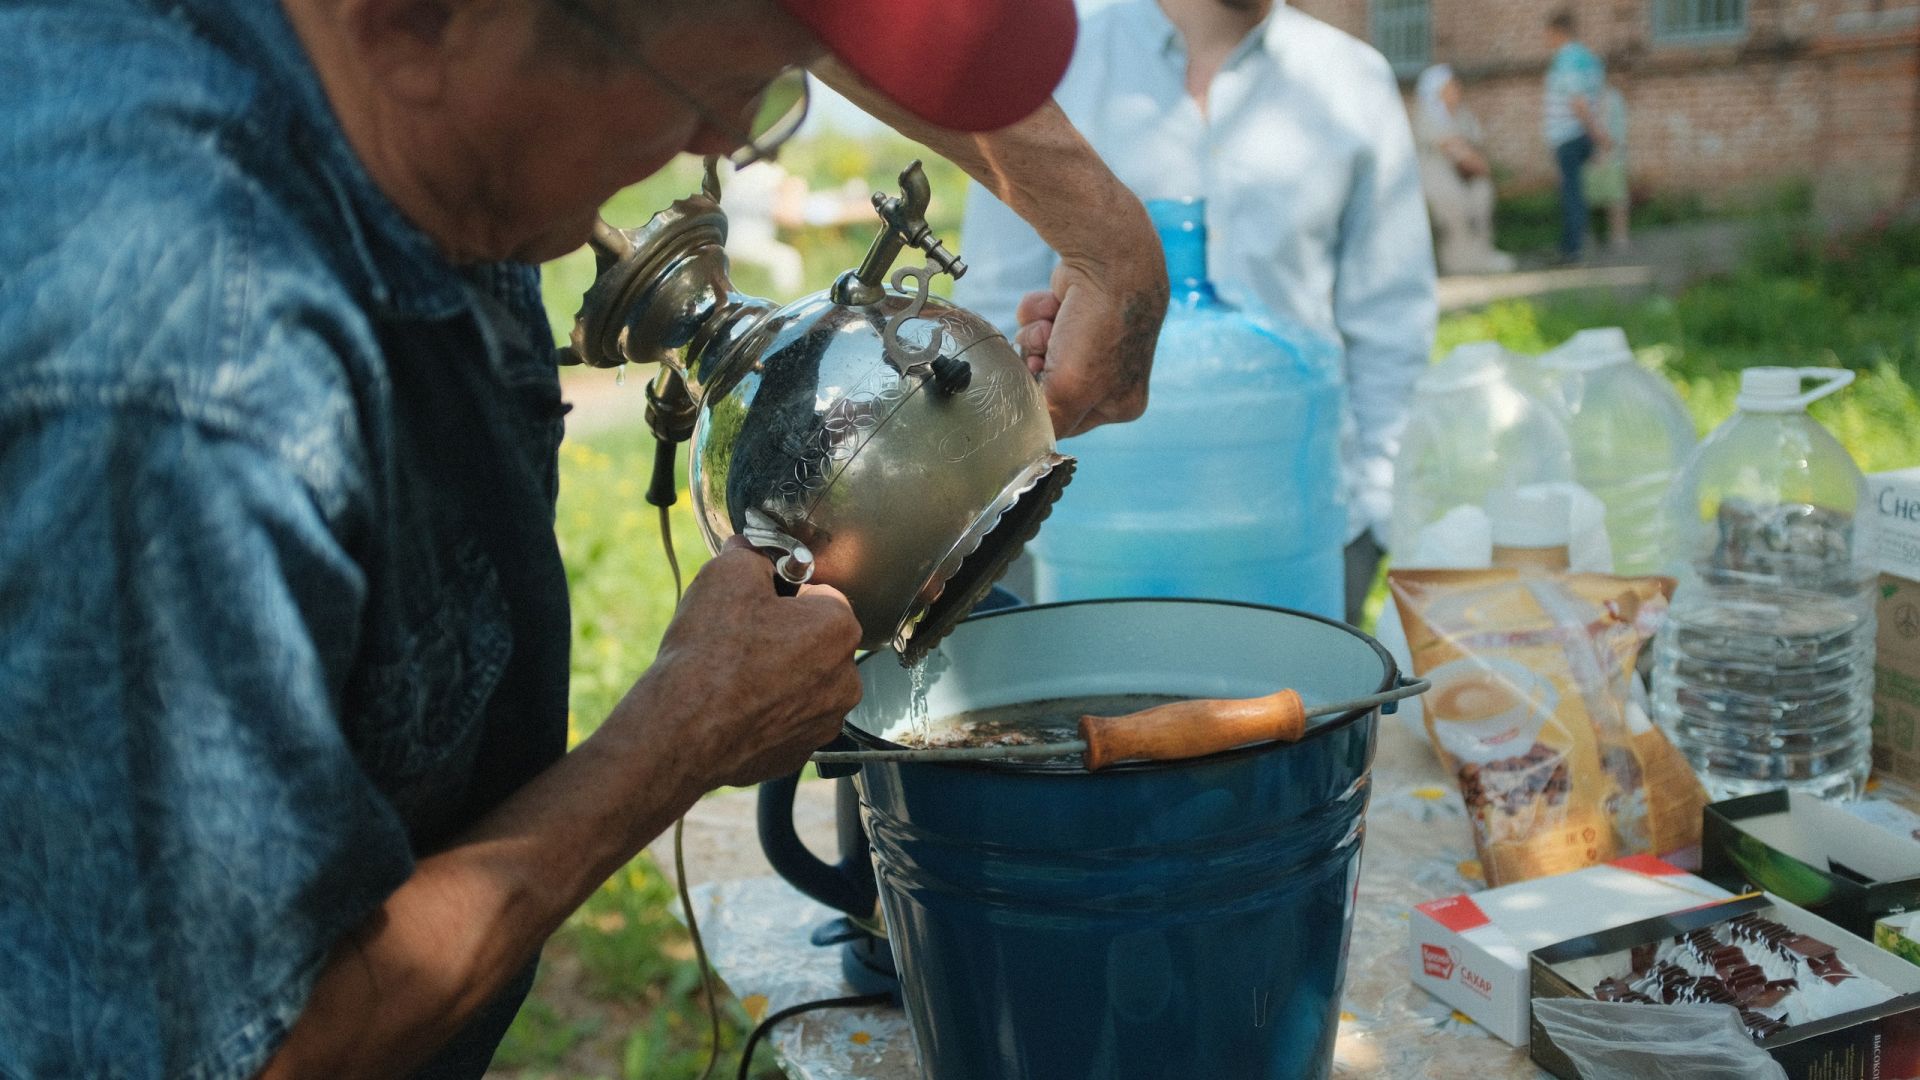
pixel 1314 208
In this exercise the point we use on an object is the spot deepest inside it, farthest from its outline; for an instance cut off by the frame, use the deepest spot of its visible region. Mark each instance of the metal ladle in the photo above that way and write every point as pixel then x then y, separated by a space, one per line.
pixel 1170 732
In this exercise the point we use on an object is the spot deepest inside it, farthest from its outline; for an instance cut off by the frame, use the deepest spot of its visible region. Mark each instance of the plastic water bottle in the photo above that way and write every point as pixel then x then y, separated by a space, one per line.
pixel 1472 431
pixel 1475 435
pixel 1763 674
pixel 1630 435
pixel 1229 486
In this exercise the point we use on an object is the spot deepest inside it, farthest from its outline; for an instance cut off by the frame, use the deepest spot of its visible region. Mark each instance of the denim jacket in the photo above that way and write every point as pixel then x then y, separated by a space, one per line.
pixel 281 607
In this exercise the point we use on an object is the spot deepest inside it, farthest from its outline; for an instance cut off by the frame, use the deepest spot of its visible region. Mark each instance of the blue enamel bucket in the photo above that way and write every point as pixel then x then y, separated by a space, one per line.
pixel 1155 920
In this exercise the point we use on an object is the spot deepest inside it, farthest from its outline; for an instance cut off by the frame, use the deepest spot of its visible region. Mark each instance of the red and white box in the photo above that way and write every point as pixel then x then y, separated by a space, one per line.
pixel 1470 951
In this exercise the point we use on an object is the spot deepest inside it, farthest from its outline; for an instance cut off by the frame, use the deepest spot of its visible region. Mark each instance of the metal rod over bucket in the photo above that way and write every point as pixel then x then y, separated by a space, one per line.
pixel 1170 732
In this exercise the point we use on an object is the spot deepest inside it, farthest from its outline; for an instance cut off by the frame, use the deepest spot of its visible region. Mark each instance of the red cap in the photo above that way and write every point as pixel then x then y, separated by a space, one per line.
pixel 965 65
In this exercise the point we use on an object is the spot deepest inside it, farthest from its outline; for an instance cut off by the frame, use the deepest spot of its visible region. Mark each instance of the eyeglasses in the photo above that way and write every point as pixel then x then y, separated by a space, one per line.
pixel 778 110
pixel 777 113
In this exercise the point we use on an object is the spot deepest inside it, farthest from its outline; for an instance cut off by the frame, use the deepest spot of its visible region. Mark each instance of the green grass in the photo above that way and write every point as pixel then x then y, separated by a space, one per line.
pixel 1527 222
pixel 619 996
pixel 1799 300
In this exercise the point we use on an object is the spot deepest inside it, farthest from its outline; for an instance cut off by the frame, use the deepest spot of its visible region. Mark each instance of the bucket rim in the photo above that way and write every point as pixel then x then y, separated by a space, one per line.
pixel 1316 729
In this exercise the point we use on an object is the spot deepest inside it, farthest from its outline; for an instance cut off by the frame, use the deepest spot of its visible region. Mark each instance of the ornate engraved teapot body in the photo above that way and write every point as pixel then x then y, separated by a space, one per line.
pixel 879 440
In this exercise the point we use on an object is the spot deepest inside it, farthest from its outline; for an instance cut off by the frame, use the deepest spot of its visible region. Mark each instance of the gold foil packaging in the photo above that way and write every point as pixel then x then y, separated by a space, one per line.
pixel 1532 710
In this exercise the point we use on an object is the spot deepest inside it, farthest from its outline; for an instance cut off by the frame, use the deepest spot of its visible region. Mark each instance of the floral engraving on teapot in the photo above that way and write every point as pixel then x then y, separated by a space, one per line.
pixel 840 433
pixel 996 399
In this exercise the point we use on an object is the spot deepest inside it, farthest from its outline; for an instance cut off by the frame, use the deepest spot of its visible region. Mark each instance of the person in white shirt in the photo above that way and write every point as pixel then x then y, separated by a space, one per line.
pixel 1296 136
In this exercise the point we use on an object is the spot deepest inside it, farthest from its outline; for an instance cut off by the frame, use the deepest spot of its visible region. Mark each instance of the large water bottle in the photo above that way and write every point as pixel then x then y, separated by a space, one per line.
pixel 1630 435
pixel 1763 674
pixel 1229 486
pixel 1472 431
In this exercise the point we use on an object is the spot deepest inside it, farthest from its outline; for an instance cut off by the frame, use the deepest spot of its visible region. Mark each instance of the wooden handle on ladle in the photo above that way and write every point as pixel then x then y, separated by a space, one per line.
pixel 1188 729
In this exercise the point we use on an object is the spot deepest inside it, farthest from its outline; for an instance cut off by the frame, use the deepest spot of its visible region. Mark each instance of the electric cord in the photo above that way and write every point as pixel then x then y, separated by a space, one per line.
pixel 680 829
pixel 699 948
pixel 666 449
pixel 760 1030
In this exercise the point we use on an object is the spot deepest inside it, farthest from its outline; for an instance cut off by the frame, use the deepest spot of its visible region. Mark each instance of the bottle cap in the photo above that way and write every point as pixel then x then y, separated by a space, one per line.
pixel 1530 518
pixel 1777 389
pixel 1587 350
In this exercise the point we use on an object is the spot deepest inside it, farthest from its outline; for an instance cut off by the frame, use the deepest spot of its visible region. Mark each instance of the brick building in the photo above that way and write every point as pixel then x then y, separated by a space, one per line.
pixel 1733 99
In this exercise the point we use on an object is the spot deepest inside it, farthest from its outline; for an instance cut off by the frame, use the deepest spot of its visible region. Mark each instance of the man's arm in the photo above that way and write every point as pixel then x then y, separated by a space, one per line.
pixel 746 685
pixel 1091 337
pixel 182 812
pixel 1583 111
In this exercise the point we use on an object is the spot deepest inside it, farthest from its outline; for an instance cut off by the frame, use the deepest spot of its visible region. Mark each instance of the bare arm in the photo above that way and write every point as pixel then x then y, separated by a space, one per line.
pixel 470 917
pixel 1583 112
pixel 1467 160
pixel 1091 338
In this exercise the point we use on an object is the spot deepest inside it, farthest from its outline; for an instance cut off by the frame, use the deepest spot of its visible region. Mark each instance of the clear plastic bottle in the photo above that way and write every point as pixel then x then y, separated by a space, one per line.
pixel 1763 673
pixel 1472 431
pixel 1229 486
pixel 1630 435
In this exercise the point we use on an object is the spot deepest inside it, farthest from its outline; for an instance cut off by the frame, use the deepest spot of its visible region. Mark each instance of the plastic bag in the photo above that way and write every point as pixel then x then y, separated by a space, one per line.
pixel 1531 710
pixel 1462 539
pixel 1613 1040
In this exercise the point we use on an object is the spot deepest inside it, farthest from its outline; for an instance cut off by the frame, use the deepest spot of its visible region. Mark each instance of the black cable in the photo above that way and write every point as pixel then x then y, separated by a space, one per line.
pixel 760 1030
pixel 664 452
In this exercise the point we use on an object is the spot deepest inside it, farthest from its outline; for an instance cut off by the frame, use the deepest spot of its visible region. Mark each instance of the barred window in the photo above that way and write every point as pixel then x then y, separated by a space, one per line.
pixel 1698 20
pixel 1403 32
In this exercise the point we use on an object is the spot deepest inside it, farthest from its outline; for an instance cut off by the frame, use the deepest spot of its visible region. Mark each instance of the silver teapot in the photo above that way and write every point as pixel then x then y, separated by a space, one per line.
pixel 871 436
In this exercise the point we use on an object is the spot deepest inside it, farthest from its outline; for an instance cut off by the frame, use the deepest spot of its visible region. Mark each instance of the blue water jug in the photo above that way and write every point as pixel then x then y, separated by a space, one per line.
pixel 1229 486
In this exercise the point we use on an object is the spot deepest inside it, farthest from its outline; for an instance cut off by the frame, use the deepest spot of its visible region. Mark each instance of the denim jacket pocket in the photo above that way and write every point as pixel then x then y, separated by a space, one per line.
pixel 416 711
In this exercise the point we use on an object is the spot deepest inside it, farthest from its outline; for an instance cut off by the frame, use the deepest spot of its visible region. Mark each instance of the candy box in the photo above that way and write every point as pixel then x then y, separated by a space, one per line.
pixel 1899 935
pixel 1812 854
pixel 1470 951
pixel 1896 680
pixel 1823 1002
pixel 1890 523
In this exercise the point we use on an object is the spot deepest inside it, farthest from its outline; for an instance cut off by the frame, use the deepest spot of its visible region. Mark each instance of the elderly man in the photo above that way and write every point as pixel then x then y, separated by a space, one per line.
pixel 283 697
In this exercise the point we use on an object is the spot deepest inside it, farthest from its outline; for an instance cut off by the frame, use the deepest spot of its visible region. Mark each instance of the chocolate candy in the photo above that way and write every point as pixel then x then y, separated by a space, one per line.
pixel 1830 968
pixel 1772 993
pixel 1760 1025
pixel 1643 957
pixel 1810 948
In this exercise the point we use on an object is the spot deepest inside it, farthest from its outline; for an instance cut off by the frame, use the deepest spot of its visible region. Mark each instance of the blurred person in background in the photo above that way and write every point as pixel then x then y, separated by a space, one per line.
pixel 1296 136
pixel 1606 174
pixel 1574 127
pixel 284 784
pixel 1456 175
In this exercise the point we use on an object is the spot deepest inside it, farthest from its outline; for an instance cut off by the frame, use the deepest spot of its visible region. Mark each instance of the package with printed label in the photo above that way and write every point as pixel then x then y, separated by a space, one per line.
pixel 1470 951
pixel 1891 523
pixel 1532 711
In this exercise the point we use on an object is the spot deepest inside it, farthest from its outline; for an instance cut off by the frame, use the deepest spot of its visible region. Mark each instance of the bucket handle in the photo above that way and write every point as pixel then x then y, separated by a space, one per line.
pixel 1170 732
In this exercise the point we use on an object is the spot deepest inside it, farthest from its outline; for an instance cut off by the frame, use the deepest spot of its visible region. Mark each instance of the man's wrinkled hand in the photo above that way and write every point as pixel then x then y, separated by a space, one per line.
pixel 756 681
pixel 1089 338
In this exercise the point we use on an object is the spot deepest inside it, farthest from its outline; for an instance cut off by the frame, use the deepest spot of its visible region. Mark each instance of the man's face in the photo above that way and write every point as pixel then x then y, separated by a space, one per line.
pixel 547 134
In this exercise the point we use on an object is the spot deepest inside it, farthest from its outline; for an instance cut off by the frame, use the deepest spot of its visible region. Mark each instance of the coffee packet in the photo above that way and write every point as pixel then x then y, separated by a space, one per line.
pixel 1532 709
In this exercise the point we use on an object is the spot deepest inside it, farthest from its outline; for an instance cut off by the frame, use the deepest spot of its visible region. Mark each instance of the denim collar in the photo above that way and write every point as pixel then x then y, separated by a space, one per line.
pixel 401 271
